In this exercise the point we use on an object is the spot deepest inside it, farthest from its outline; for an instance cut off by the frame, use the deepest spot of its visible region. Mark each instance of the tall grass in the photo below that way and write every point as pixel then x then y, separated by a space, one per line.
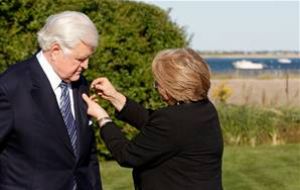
pixel 256 125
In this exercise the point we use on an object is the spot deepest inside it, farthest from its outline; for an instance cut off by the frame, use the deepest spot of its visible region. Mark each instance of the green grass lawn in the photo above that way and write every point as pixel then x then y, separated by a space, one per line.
pixel 244 168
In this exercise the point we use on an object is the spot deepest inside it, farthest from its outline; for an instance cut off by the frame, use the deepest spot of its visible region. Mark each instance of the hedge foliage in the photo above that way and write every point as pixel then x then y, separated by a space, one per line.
pixel 131 33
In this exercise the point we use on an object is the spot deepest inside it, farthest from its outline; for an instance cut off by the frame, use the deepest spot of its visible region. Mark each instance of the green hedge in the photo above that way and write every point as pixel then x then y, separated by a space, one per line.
pixel 131 33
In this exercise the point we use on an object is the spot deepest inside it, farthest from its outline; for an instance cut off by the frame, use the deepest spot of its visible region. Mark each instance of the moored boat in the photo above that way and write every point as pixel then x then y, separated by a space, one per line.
pixel 284 61
pixel 245 64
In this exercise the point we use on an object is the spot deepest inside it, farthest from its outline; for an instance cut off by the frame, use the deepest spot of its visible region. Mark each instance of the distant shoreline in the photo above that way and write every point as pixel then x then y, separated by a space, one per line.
pixel 251 55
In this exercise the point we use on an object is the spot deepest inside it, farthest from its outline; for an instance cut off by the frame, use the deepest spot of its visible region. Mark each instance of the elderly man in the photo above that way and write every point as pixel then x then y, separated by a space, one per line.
pixel 45 141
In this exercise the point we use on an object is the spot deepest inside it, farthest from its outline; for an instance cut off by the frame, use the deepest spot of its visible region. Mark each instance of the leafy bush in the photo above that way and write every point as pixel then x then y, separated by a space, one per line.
pixel 222 92
pixel 131 33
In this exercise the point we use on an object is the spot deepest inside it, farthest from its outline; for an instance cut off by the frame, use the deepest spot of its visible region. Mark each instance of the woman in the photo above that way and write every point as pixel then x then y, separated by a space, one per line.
pixel 179 146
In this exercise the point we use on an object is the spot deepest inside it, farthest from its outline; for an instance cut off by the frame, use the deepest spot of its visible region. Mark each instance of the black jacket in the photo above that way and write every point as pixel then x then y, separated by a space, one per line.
pixel 35 150
pixel 178 148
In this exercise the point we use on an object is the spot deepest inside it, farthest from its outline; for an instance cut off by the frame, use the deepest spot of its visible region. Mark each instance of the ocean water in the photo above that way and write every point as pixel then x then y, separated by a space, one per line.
pixel 270 65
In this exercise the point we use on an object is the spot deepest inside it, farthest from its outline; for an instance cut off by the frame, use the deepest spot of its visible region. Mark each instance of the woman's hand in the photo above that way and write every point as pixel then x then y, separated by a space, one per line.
pixel 94 109
pixel 104 88
pixel 107 91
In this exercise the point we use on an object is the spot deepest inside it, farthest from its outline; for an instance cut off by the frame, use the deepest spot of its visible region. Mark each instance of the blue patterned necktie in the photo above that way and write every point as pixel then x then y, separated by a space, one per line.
pixel 65 108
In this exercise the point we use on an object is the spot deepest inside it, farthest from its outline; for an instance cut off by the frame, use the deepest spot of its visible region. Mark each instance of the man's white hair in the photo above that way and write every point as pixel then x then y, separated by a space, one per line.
pixel 68 28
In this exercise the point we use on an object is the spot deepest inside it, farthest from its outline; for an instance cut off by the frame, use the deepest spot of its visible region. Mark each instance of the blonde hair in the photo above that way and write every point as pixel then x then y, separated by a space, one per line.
pixel 68 28
pixel 182 73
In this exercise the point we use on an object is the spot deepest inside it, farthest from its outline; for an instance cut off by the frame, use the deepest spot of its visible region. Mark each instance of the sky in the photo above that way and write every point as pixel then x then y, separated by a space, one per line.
pixel 237 25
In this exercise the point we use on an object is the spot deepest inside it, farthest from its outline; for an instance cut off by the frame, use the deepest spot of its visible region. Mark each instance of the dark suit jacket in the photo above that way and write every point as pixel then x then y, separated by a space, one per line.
pixel 178 148
pixel 35 150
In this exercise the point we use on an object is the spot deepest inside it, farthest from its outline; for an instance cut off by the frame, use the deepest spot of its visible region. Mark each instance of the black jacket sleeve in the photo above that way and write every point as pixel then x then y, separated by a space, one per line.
pixel 155 143
pixel 134 114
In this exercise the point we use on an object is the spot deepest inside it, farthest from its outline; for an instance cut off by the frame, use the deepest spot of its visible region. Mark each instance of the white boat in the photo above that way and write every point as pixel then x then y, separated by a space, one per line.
pixel 244 64
pixel 284 61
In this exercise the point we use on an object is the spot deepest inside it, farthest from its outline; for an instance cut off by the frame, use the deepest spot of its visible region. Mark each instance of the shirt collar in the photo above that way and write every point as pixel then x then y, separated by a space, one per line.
pixel 53 78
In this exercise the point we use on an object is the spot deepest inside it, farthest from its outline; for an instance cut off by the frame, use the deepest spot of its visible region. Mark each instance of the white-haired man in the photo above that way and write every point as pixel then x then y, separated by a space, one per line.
pixel 45 141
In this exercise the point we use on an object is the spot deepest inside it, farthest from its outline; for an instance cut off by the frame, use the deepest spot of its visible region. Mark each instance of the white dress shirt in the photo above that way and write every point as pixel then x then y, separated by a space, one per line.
pixel 54 80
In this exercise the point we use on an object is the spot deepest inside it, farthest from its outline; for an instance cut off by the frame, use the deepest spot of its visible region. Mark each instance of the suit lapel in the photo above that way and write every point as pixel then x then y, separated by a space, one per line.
pixel 45 100
pixel 81 117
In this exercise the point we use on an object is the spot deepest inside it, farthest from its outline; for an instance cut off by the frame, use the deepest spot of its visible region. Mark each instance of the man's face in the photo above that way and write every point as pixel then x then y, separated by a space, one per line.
pixel 69 65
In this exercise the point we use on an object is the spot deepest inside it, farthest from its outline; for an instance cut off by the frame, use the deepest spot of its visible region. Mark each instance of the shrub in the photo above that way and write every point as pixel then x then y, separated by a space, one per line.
pixel 131 33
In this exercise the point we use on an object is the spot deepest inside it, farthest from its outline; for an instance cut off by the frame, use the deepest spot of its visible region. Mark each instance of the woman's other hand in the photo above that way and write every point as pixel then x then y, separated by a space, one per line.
pixel 94 109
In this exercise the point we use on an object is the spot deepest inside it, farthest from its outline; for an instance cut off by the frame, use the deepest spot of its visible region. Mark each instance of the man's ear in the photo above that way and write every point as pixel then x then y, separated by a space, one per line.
pixel 55 52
